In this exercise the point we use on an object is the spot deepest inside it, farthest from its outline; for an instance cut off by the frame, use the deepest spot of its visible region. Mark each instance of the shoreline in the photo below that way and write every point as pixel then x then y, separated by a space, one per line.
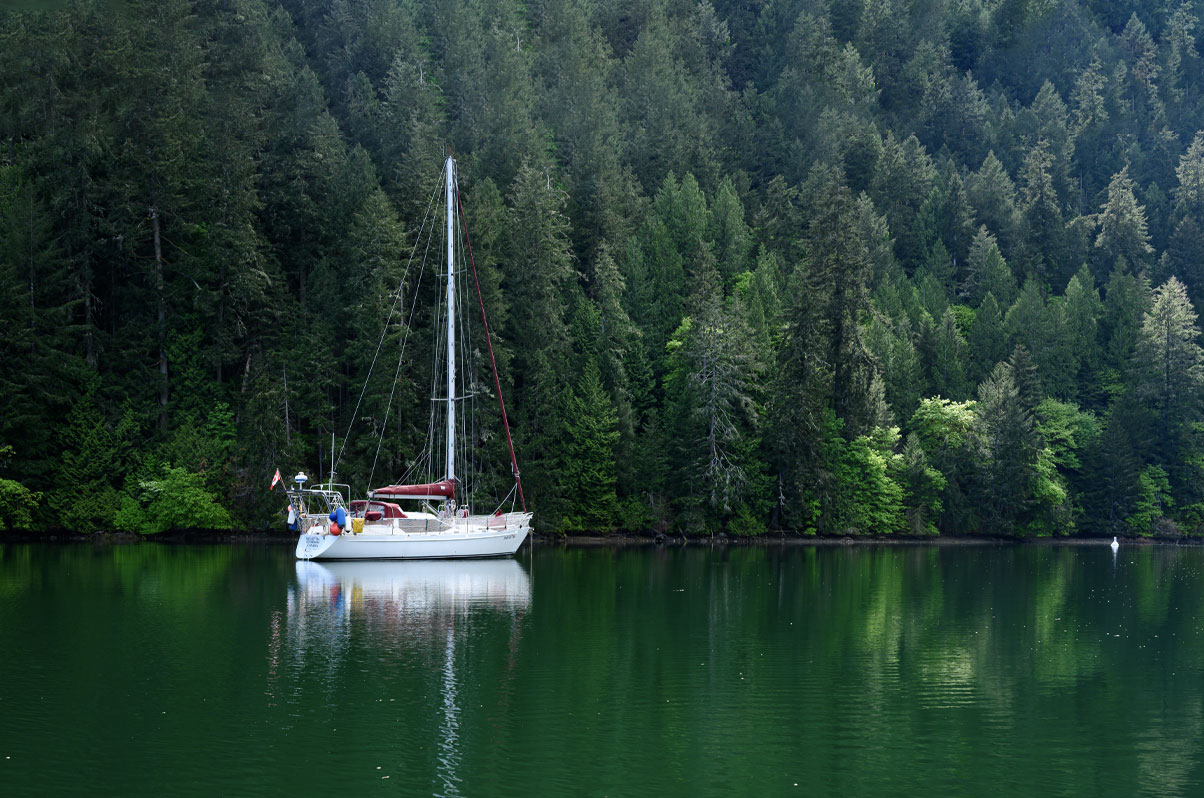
pixel 624 540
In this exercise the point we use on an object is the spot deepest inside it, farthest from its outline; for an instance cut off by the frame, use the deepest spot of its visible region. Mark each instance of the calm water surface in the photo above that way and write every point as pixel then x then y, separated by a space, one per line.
pixel 968 670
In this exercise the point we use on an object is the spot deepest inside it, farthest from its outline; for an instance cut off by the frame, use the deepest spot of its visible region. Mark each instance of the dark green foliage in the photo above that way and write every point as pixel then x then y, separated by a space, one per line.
pixel 1009 447
pixel 1125 300
pixel 943 353
pixel 1122 227
pixel 1169 373
pixel 588 476
pixel 1082 311
pixel 987 272
pixel 1154 503
pixel 1110 496
pixel 725 249
pixel 94 456
pixel 992 194
pixel 923 486
pixel 988 339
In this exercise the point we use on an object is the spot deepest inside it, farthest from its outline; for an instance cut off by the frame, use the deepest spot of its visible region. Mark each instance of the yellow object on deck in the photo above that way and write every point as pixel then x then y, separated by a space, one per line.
pixel 357 525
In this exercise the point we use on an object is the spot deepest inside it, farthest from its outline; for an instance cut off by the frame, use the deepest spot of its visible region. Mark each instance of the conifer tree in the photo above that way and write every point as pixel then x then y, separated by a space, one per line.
pixel 1026 379
pixel 1048 120
pixel 1125 300
pixel 993 196
pixel 588 476
pixel 484 55
pixel 902 372
pixel 1123 232
pixel 1184 257
pixel 956 218
pixel 987 340
pixel 762 297
pixel 1009 449
pixel 904 177
pixel 1170 365
pixel 947 355
pixel 714 369
pixel 1189 194
pixel 1088 97
pixel 1083 310
pixel 40 360
pixel 1111 494
pixel 839 270
pixel 1138 47
pixel 1043 252
pixel 987 272
pixel 1026 319
pixel 665 105
pixel 922 486
pixel 538 269
pixel 94 460
pixel 1179 45
pixel 729 232
pixel 411 121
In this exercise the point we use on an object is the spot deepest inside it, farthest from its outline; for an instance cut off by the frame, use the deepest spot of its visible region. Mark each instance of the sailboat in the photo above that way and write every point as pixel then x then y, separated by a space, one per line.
pixel 439 521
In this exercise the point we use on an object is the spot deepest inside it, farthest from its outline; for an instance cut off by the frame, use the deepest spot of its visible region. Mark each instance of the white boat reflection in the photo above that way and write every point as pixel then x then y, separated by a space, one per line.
pixel 413 590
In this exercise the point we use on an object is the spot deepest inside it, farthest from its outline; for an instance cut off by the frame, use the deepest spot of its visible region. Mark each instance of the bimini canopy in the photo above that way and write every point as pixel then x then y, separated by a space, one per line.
pixel 433 491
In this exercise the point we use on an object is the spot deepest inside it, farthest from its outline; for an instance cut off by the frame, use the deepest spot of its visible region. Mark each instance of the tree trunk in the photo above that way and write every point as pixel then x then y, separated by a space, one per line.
pixel 161 321
pixel 30 262
pixel 89 318
pixel 287 433
pixel 221 313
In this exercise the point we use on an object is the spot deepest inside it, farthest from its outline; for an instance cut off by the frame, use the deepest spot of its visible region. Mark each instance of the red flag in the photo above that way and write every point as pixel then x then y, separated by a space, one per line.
pixel 275 479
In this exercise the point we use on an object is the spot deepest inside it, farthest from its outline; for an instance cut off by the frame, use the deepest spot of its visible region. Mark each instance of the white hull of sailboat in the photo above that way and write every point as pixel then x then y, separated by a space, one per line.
pixel 441 545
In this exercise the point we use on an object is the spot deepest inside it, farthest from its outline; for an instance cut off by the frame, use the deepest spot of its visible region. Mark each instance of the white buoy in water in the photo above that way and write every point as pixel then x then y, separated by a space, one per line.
pixel 1115 545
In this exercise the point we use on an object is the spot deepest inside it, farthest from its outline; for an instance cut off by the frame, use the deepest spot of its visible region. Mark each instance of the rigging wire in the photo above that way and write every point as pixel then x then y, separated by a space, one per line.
pixel 496 379
pixel 466 457
pixel 401 355
pixel 464 349
pixel 385 330
pixel 434 434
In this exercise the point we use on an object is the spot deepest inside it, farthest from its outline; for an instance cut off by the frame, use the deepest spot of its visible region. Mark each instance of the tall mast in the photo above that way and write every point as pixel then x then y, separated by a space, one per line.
pixel 451 321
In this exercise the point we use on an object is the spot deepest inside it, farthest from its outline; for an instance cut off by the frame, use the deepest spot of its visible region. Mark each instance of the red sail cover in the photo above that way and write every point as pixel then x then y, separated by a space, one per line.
pixel 445 489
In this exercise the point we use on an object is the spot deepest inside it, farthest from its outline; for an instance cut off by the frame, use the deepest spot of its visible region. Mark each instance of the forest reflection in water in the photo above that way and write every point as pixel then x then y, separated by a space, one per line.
pixel 864 669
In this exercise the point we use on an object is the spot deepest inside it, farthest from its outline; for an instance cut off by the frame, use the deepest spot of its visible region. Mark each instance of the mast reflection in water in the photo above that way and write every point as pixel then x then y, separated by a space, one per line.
pixel 338 611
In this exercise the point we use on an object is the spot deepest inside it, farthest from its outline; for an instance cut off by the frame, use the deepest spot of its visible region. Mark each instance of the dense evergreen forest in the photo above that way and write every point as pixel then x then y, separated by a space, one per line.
pixel 866 267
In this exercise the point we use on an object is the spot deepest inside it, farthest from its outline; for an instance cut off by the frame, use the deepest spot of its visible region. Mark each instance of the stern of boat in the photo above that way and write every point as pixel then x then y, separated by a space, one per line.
pixel 310 546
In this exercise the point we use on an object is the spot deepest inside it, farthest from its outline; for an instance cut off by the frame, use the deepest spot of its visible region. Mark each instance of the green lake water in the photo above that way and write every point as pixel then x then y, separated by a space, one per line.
pixel 894 670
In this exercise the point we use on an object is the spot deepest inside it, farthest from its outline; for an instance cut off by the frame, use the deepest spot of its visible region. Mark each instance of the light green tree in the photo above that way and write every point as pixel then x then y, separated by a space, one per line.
pixel 177 500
